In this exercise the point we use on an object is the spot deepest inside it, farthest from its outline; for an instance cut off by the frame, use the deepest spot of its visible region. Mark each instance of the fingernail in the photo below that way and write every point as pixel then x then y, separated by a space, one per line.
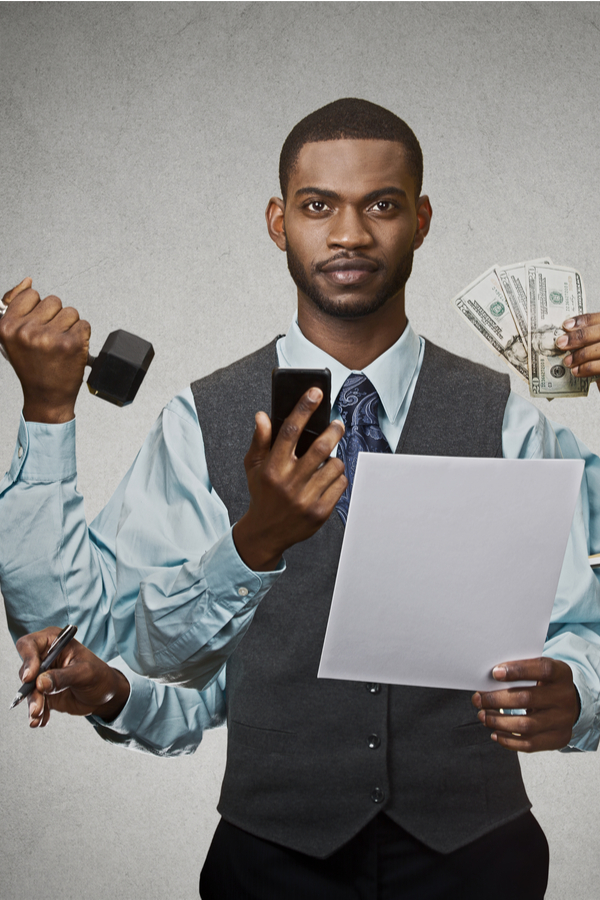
pixel 481 715
pixel 575 370
pixel 314 394
pixel 25 675
pixel 45 683
pixel 562 341
pixel 568 359
pixel 499 672
pixel 476 700
pixel 570 323
pixel 494 736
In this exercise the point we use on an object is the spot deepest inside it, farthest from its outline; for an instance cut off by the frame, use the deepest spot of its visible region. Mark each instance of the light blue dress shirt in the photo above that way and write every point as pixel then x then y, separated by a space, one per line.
pixel 179 618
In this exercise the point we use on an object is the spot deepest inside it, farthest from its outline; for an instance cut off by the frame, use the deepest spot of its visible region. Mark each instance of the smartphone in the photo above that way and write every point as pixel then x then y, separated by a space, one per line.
pixel 287 387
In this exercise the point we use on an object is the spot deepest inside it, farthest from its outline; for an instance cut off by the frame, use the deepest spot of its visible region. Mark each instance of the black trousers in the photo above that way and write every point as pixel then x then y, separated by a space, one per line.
pixel 382 862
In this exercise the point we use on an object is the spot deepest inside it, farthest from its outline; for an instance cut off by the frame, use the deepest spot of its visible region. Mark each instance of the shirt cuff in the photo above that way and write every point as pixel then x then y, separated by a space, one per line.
pixel 586 731
pixel 231 590
pixel 131 716
pixel 44 453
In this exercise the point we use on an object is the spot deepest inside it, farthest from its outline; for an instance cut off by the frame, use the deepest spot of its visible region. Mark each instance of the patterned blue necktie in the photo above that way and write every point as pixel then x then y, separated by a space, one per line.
pixel 357 403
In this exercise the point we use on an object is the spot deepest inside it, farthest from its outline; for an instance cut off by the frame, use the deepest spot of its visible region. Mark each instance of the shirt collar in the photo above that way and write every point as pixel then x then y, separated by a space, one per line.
pixel 390 374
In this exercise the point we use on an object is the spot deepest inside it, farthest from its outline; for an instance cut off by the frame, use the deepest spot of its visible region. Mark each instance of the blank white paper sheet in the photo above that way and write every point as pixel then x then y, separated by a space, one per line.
pixel 449 566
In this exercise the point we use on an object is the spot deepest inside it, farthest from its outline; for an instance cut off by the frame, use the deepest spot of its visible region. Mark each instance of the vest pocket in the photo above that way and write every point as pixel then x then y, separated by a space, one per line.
pixel 469 734
pixel 266 740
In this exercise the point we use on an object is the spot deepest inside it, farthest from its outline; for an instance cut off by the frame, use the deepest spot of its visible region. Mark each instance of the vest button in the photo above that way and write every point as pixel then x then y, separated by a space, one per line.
pixel 373 688
pixel 374 741
pixel 377 795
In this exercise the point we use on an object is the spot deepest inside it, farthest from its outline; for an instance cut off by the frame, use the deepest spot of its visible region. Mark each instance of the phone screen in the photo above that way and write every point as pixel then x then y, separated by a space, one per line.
pixel 287 387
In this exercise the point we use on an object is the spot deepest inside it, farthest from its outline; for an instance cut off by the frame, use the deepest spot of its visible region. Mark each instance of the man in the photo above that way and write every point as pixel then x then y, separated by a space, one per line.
pixel 332 788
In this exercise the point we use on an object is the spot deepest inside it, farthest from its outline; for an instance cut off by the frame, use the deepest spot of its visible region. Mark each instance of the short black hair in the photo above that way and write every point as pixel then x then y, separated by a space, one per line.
pixel 354 119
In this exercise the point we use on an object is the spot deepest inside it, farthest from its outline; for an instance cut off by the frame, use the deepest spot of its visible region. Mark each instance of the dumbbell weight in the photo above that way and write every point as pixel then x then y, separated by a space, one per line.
pixel 120 367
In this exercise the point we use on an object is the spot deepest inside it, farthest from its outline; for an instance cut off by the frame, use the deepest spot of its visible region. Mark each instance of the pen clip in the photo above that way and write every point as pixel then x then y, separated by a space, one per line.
pixel 57 639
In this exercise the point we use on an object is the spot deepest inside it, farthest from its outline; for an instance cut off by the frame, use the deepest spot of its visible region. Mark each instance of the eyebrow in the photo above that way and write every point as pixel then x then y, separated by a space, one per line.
pixel 333 195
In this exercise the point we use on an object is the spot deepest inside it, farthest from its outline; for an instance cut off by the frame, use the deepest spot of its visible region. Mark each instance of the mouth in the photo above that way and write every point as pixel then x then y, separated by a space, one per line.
pixel 355 270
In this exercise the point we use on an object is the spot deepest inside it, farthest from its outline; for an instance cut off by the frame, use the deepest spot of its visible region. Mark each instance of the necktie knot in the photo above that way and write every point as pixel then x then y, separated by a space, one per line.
pixel 358 401
pixel 358 405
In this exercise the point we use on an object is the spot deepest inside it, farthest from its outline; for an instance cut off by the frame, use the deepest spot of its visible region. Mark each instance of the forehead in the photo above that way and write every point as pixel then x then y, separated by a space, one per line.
pixel 351 167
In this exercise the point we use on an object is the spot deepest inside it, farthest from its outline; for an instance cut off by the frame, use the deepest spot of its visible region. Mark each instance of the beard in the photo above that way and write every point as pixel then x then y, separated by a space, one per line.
pixel 393 282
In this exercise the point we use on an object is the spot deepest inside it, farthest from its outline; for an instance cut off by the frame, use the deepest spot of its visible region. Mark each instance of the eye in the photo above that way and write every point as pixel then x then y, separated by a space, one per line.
pixel 316 206
pixel 382 206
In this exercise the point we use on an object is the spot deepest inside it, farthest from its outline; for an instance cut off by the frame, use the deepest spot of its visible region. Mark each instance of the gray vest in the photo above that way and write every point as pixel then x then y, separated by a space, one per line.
pixel 310 761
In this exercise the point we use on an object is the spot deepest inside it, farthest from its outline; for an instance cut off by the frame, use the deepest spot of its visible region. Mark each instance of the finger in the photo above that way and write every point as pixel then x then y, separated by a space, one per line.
pixel 37 708
pixel 293 426
pixel 70 673
pixel 261 441
pixel 327 474
pixel 32 648
pixel 511 698
pixel 585 363
pixel 35 705
pixel 579 337
pixel 79 332
pixel 321 448
pixel 65 317
pixel 547 740
pixel 527 726
pixel 333 493
pixel 22 286
pixel 46 310
pixel 586 320
pixel 23 302
pixel 541 669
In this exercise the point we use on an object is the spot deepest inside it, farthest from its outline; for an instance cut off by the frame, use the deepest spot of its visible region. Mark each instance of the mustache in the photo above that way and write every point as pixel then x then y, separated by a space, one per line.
pixel 345 256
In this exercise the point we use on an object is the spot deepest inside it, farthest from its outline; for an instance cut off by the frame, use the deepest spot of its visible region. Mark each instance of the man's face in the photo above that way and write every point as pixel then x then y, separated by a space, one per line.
pixel 350 223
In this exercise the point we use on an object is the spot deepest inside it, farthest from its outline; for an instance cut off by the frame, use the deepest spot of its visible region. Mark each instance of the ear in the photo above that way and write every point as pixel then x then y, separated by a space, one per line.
pixel 424 214
pixel 274 215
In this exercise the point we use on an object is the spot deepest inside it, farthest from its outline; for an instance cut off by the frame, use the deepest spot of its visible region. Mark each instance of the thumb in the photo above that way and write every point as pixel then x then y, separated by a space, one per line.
pixel 261 441
pixel 56 680
pixel 22 286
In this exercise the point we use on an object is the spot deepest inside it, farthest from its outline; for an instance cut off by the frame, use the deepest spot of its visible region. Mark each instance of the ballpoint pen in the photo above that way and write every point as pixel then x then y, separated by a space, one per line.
pixel 56 647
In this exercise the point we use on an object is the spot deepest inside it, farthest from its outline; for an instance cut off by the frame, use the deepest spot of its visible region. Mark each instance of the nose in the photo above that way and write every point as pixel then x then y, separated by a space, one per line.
pixel 348 230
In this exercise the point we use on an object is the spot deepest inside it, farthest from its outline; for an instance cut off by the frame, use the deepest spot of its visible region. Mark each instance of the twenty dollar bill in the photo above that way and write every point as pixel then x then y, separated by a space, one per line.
pixel 553 295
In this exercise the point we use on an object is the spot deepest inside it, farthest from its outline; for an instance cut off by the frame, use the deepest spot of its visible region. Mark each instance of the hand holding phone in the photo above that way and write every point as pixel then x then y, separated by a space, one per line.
pixel 291 495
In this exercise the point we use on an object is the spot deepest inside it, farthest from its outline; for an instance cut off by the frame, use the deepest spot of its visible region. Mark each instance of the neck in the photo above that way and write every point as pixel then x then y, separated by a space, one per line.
pixel 353 342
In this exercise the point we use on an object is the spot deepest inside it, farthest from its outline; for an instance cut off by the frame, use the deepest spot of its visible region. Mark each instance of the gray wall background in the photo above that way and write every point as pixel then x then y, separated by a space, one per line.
pixel 139 147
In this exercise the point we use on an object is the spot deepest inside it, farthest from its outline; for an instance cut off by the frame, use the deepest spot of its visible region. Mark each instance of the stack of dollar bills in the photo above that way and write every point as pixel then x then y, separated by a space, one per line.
pixel 518 310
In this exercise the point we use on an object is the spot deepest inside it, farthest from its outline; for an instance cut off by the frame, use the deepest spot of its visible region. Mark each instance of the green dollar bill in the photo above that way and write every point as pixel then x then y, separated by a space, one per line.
pixel 554 293
pixel 513 279
pixel 484 306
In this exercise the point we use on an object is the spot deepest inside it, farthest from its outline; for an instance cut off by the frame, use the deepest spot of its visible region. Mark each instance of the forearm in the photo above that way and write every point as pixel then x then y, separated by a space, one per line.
pixel 53 569
pixel 184 595
pixel 188 619
pixel 162 720
pixel 579 646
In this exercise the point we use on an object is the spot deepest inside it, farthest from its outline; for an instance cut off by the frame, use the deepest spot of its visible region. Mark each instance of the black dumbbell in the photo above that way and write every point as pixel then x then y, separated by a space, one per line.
pixel 120 367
